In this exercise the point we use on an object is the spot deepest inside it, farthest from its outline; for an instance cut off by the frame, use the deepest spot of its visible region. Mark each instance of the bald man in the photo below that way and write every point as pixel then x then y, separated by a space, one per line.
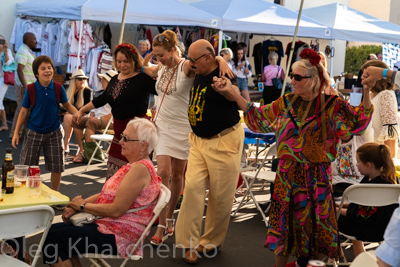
pixel 216 145
pixel 25 76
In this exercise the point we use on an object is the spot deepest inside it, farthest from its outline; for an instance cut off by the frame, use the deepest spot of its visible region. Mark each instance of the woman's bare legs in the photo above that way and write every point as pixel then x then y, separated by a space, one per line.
pixel 280 261
pixel 67 125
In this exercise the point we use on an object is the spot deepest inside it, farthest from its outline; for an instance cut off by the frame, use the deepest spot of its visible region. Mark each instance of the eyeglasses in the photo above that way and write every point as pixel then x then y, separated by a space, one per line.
pixel 298 77
pixel 193 60
pixel 81 79
pixel 161 38
pixel 126 139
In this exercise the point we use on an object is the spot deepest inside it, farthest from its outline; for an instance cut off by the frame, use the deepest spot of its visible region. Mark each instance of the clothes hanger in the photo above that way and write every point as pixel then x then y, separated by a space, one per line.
pixel 227 37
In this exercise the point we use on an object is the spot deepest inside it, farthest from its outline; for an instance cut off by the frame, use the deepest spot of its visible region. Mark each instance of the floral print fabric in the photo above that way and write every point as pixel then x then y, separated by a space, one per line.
pixel 128 228
pixel 302 217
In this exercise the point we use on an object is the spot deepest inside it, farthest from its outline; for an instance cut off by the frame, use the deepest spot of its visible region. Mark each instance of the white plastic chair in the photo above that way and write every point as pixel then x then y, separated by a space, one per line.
pixel 261 173
pixel 369 195
pixel 365 259
pixel 162 201
pixel 101 140
pixel 20 222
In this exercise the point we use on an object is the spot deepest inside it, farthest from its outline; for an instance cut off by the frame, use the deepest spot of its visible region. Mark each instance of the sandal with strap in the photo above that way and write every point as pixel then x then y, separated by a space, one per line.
pixel 171 231
pixel 79 159
pixel 155 240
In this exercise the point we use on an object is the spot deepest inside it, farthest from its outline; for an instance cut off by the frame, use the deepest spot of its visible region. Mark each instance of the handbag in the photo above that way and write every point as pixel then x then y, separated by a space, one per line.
pixel 88 149
pixel 277 82
pixel 9 72
pixel 82 217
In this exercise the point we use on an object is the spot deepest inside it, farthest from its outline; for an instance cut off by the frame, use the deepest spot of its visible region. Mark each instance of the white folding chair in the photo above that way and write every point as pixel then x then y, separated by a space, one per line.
pixel 20 222
pixel 365 259
pixel 261 173
pixel 99 259
pixel 369 195
pixel 101 140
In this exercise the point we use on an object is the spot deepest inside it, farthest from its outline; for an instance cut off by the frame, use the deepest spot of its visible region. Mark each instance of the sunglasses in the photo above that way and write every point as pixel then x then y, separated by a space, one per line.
pixel 126 139
pixel 81 79
pixel 161 38
pixel 193 60
pixel 298 77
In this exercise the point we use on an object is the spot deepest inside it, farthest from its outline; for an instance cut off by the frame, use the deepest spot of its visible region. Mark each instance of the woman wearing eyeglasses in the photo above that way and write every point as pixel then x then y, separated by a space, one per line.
pixel 308 124
pixel 128 94
pixel 79 94
pixel 174 80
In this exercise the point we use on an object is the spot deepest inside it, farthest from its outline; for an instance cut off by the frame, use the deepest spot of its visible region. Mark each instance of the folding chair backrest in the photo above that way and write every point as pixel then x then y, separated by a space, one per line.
pixel 25 221
pixel 365 259
pixel 371 195
pixel 162 201
pixel 108 125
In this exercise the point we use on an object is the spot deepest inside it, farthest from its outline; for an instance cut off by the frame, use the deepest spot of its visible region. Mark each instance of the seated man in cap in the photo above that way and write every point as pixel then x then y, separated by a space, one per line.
pixel 97 120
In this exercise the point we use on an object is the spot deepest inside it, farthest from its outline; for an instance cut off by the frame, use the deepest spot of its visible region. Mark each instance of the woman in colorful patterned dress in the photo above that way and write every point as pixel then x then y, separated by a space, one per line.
pixel 308 124
pixel 134 185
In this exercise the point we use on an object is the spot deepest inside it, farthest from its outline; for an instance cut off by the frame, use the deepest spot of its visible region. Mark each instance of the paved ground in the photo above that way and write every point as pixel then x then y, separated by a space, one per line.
pixel 243 245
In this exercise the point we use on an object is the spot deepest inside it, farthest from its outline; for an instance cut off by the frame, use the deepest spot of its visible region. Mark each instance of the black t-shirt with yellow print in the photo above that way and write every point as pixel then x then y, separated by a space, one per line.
pixel 209 111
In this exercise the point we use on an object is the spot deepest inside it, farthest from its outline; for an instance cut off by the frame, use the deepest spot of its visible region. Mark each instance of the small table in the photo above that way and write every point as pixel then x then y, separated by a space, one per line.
pixel 20 198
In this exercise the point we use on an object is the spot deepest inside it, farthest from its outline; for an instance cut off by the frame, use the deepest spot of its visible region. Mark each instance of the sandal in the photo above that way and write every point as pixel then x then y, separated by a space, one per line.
pixel 171 230
pixel 79 159
pixel 155 240
pixel 4 128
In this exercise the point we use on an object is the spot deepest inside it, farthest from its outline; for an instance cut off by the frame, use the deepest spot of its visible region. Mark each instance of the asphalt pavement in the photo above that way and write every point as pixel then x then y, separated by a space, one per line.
pixel 244 243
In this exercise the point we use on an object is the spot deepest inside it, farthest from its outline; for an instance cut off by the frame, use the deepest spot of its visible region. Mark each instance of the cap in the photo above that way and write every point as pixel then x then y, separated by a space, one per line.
pixel 78 73
pixel 108 75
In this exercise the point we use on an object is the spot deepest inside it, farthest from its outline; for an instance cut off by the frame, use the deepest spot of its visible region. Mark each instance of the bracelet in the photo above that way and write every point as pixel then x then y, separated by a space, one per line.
pixel 393 76
pixel 384 74
pixel 141 71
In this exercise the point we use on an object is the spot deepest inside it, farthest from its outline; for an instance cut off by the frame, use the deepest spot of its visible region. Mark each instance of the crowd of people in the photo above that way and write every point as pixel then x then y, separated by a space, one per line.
pixel 324 145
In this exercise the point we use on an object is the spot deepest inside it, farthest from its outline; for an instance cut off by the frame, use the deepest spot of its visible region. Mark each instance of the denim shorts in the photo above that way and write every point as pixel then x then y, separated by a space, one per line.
pixel 242 84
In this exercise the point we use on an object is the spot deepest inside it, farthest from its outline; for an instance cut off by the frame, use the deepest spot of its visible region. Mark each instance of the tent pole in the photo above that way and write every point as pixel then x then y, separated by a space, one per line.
pixel 79 46
pixel 292 47
pixel 123 22
pixel 220 38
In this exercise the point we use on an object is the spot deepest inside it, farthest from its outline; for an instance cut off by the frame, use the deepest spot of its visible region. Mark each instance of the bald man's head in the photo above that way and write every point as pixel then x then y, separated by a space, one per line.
pixel 201 56
pixel 30 40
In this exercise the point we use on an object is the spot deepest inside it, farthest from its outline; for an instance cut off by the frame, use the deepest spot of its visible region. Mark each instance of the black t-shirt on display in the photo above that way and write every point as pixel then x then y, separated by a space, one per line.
pixel 210 112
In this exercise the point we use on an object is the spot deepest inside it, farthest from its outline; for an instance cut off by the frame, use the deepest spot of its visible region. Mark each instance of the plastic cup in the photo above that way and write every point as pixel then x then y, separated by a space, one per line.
pixel 34 184
pixel 2 194
pixel 21 173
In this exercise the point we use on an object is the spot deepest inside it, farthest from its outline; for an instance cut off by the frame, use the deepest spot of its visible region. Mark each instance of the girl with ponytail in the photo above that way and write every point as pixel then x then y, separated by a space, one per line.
pixel 369 223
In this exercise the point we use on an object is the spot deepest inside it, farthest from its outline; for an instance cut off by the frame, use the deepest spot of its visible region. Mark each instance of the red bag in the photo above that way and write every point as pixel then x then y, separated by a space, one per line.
pixel 9 77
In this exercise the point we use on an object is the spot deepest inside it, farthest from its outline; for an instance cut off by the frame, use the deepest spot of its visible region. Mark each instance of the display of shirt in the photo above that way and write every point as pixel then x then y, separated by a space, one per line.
pixel 271 46
pixel 87 43
pixel 298 46
pixel 17 33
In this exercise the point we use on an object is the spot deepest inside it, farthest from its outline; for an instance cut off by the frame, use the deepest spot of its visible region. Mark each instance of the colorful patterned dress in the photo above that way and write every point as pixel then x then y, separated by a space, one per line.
pixel 128 228
pixel 302 217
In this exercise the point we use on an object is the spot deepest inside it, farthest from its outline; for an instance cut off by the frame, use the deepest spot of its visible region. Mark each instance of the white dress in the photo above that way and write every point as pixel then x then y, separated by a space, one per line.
pixel 385 119
pixel 172 119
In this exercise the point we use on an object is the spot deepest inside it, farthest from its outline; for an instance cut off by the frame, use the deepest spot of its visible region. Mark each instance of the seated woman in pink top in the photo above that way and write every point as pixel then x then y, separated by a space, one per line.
pixel 271 71
pixel 135 185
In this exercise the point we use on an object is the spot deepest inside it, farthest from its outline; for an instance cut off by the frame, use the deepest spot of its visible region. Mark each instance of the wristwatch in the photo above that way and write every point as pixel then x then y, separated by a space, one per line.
pixel 82 207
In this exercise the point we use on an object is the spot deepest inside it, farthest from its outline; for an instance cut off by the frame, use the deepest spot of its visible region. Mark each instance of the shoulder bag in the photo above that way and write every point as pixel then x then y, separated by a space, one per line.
pixel 277 82
pixel 82 217
pixel 9 72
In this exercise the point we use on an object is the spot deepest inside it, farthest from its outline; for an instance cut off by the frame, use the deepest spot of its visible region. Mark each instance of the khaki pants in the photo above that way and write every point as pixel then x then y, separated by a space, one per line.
pixel 214 162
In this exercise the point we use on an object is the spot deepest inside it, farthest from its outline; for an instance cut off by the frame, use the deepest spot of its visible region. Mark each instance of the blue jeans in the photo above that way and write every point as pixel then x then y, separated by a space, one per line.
pixel 242 84
pixel 397 92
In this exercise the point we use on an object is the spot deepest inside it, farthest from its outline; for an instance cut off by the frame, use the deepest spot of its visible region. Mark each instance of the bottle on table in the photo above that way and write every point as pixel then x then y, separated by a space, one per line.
pixel 8 173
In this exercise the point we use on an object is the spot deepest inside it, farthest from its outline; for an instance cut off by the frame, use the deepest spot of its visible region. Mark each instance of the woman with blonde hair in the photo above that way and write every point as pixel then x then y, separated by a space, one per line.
pixel 144 47
pixel 271 71
pixel 79 94
pixel 174 80
pixel 227 54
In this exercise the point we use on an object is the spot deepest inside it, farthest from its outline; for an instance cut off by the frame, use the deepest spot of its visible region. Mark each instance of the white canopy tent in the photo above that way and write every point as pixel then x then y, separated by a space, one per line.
pixel 352 25
pixel 261 17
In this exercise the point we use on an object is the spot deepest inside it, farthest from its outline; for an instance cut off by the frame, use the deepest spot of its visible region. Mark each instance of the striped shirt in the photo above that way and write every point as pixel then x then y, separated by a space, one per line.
pixel 25 57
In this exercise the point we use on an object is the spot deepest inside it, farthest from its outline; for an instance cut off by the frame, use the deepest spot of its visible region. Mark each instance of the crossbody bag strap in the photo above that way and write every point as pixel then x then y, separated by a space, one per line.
pixel 166 89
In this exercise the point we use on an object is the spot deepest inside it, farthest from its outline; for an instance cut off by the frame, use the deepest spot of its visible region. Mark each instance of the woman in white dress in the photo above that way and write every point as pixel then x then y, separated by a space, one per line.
pixel 384 119
pixel 6 59
pixel 174 80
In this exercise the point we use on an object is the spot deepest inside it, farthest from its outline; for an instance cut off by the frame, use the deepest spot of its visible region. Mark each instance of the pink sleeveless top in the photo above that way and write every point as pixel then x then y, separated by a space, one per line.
pixel 128 228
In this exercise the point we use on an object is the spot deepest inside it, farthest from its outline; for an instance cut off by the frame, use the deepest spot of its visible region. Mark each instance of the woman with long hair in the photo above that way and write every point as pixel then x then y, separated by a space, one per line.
pixel 241 68
pixel 79 94
pixel 128 94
